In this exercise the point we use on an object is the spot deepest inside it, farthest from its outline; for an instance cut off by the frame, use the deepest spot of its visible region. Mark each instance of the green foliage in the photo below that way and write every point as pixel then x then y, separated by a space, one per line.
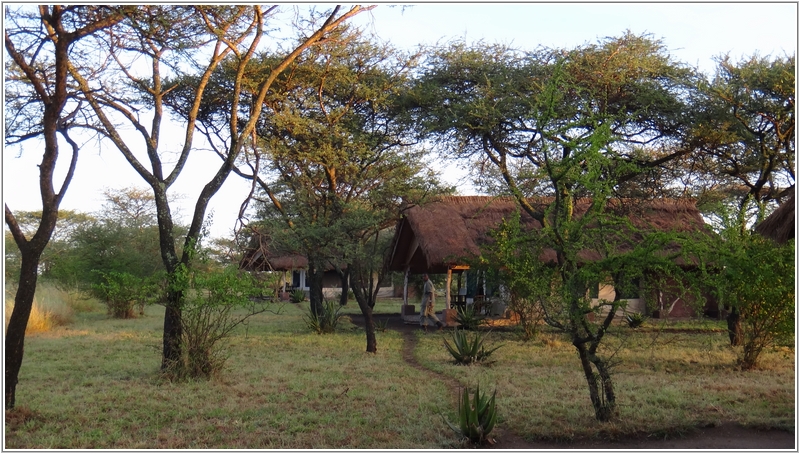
pixel 757 276
pixel 635 319
pixel 476 418
pixel 121 292
pixel 568 125
pixel 469 318
pixel 746 129
pixel 122 238
pixel 297 296
pixel 469 349
pixel 215 303
pixel 340 166
pixel 326 321
pixel 60 244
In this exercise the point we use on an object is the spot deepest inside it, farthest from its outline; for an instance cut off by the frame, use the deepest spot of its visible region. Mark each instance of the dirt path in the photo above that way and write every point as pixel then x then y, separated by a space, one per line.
pixel 727 436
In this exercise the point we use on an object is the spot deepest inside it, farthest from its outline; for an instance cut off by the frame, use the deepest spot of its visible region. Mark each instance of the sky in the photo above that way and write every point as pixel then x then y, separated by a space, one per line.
pixel 693 33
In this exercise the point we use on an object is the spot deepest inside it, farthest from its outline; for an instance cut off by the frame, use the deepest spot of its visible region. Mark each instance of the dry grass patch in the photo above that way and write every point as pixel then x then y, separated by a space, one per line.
pixel 52 307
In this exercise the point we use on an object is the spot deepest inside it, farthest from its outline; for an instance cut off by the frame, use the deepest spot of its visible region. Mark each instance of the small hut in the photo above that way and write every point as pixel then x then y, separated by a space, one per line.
pixel 779 226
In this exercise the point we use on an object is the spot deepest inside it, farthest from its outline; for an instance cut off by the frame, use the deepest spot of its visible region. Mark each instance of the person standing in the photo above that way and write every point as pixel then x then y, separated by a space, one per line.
pixel 427 314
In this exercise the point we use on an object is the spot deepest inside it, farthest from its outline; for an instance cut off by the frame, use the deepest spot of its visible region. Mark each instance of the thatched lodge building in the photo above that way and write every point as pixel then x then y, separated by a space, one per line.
pixel 444 236
pixel 779 226
pixel 293 268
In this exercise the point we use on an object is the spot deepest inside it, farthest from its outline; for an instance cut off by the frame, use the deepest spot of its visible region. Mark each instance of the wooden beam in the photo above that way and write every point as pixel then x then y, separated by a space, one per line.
pixel 405 290
pixel 411 251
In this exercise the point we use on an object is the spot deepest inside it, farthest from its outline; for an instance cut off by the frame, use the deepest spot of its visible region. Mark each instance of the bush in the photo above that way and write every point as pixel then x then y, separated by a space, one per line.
pixel 530 313
pixel 758 280
pixel 120 292
pixel 327 320
pixel 477 418
pixel 467 350
pixel 211 311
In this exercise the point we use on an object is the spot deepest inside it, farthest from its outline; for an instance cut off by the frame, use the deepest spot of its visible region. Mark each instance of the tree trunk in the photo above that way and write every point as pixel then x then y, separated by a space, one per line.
pixel 601 387
pixel 15 333
pixel 366 310
pixel 735 328
pixel 173 331
pixel 345 275
pixel 369 327
pixel 314 282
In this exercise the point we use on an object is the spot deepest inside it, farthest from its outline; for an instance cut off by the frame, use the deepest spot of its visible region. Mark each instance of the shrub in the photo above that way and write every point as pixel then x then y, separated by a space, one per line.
pixel 297 296
pixel 327 320
pixel 477 418
pixel 122 292
pixel 758 280
pixel 468 350
pixel 530 313
pixel 469 318
pixel 211 311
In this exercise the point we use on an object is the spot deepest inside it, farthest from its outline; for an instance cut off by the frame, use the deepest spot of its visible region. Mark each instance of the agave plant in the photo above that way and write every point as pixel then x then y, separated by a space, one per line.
pixel 382 325
pixel 469 318
pixel 327 320
pixel 635 319
pixel 477 418
pixel 468 349
pixel 297 296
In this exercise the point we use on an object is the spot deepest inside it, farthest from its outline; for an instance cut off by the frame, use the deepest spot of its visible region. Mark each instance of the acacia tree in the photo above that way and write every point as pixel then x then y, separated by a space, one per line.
pixel 40 47
pixel 745 134
pixel 339 163
pixel 584 123
pixel 181 43
pixel 746 146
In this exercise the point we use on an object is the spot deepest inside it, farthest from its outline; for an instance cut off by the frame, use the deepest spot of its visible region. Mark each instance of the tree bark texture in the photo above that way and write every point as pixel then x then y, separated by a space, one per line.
pixel 345 275
pixel 314 282
pixel 601 387
pixel 15 333
pixel 735 328
pixel 173 332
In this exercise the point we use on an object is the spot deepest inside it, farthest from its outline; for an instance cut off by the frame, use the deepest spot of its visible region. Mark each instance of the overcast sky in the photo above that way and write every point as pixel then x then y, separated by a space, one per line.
pixel 693 33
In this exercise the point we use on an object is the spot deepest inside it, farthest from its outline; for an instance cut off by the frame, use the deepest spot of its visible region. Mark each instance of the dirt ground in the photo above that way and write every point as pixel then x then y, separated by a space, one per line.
pixel 727 436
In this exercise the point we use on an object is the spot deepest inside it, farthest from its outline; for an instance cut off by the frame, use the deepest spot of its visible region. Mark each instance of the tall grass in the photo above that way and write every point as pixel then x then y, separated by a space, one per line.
pixel 53 306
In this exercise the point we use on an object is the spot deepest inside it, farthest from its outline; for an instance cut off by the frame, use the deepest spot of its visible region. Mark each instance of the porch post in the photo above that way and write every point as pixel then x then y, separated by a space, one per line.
pixel 447 288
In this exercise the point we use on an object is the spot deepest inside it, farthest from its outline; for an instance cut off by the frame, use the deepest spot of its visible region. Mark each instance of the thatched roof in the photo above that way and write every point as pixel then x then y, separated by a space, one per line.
pixel 779 226
pixel 260 260
pixel 446 232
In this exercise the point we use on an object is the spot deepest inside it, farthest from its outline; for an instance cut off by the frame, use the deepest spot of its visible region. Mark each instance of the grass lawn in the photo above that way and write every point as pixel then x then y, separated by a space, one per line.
pixel 95 384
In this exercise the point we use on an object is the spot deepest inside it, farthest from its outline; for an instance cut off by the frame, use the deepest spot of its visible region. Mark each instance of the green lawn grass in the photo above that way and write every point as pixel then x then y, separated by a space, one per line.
pixel 95 384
